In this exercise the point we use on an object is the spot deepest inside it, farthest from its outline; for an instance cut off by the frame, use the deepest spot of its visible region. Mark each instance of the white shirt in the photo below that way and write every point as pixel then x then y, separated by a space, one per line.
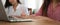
pixel 10 11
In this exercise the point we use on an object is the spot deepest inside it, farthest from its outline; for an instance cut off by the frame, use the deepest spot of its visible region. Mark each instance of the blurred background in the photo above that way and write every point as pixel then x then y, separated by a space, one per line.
pixel 34 5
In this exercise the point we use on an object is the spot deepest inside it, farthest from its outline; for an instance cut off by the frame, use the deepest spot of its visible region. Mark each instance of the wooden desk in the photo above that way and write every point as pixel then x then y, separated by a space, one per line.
pixel 38 21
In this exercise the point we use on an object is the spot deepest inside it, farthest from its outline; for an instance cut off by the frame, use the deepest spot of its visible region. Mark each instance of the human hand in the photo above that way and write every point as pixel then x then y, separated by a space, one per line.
pixel 23 14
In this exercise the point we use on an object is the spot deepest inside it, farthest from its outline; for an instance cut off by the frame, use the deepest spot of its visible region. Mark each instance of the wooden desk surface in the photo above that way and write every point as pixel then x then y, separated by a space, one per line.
pixel 36 21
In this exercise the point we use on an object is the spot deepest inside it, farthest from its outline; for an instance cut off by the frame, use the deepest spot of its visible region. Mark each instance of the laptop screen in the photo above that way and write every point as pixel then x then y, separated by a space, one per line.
pixel 2 11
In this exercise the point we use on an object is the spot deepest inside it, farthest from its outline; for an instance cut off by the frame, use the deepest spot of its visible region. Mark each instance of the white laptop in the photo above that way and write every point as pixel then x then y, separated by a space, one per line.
pixel 4 17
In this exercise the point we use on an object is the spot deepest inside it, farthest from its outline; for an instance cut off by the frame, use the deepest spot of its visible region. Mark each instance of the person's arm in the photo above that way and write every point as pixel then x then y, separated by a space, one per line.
pixel 39 13
pixel 26 11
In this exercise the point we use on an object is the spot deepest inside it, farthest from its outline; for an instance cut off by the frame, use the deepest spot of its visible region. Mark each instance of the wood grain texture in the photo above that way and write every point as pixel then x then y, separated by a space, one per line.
pixel 37 20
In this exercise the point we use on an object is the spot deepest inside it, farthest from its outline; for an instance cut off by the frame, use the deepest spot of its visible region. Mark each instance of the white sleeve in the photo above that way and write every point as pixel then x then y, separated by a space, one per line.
pixel 26 11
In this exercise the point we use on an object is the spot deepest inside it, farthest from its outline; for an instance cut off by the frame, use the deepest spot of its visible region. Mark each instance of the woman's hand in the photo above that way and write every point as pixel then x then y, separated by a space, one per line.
pixel 23 14
pixel 19 16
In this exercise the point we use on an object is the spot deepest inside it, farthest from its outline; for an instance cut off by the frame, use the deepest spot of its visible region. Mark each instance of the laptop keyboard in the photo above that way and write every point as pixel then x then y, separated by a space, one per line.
pixel 19 19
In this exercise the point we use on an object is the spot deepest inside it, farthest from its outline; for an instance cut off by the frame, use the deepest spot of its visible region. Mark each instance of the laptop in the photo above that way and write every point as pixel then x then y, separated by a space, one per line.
pixel 4 17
